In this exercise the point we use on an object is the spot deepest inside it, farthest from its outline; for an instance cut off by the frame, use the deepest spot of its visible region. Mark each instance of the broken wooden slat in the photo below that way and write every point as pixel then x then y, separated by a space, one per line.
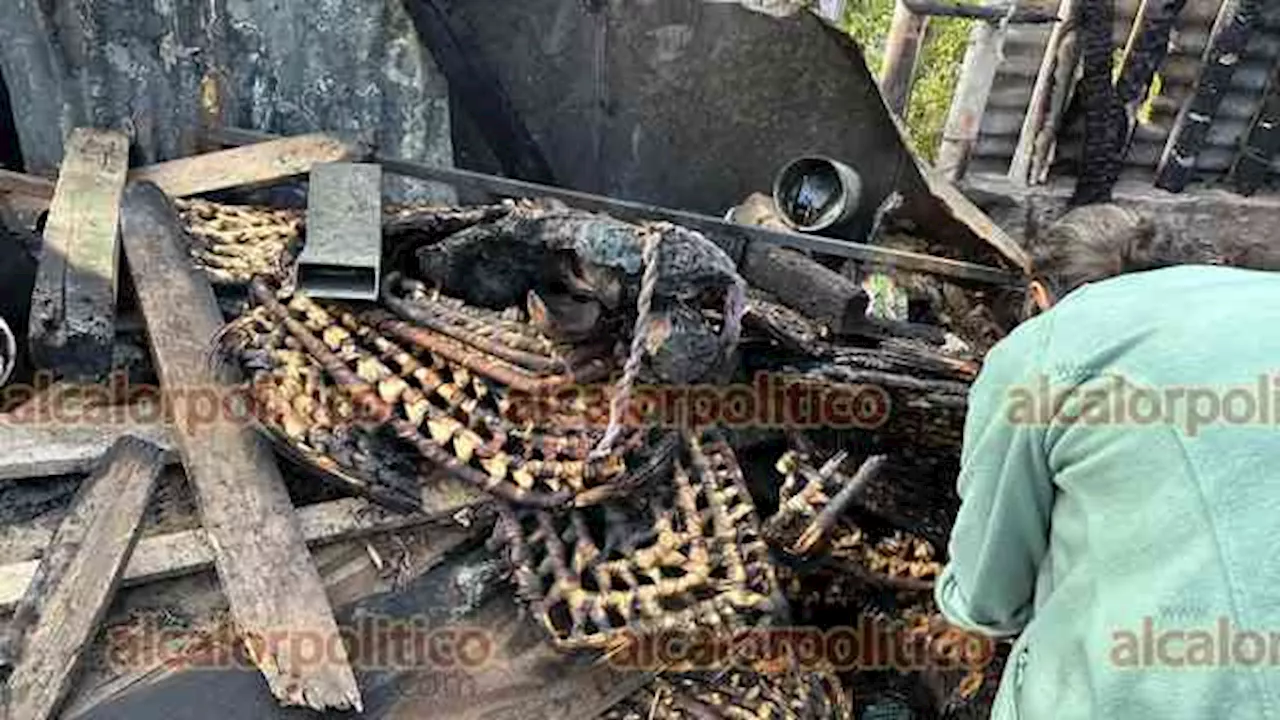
pixel 183 553
pixel 73 305
pixel 1231 33
pixel 991 12
pixel 32 186
pixel 31 450
pixel 260 163
pixel 1262 144
pixel 75 581
pixel 901 51
pixel 270 582
pixel 343 255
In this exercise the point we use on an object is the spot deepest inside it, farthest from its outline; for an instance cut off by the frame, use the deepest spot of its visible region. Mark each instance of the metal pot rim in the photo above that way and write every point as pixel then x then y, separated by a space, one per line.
pixel 850 188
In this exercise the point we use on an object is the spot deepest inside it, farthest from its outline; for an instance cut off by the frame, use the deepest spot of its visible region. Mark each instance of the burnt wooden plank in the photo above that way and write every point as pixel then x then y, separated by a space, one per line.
pixel 250 165
pixel 73 305
pixel 31 450
pixel 342 257
pixel 32 186
pixel 190 551
pixel 1231 33
pixel 263 565
pixel 1262 144
pixel 69 594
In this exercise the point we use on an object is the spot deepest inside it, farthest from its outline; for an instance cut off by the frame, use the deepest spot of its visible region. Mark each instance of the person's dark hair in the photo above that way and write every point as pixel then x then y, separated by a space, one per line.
pixel 1093 243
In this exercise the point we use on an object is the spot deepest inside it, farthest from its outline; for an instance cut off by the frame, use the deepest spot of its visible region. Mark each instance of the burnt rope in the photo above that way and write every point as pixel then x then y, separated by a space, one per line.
pixel 735 309
pixel 621 400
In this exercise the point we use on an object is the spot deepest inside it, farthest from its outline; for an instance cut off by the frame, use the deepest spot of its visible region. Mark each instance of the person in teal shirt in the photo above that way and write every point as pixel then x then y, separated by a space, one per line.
pixel 1120 485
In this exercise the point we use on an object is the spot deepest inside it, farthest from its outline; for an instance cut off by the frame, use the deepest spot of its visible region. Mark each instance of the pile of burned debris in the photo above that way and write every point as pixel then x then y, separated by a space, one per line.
pixel 726 480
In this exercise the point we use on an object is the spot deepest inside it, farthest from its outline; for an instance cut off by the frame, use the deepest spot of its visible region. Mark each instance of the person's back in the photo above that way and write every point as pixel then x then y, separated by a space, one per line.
pixel 1122 475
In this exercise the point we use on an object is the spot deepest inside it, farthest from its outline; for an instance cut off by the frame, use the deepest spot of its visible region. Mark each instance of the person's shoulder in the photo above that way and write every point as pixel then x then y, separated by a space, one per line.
pixel 1018 351
pixel 1155 284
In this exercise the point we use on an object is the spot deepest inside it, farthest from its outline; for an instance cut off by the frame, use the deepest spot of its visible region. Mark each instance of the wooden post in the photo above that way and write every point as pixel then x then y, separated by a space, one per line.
pixel 65 601
pixel 964 121
pixel 901 53
pixel 277 598
pixel 1231 33
pixel 73 306
pixel 1048 101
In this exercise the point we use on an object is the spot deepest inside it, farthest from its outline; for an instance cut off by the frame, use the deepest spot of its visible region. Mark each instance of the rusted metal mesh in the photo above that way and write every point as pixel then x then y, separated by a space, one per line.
pixel 688 554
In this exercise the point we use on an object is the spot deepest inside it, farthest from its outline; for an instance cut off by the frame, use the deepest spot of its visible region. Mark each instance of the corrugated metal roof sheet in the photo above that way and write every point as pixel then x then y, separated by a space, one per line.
pixel 1024 49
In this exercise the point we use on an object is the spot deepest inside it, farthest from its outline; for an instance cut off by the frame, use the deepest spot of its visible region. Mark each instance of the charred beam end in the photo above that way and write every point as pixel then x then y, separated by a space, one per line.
pixel 478 88
pixel 1231 33
pixel 1261 146
pixel 806 286
pixel 997 13
pixel 274 590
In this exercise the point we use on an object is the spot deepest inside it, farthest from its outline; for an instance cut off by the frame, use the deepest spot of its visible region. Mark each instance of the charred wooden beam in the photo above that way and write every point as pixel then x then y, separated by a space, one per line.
pixel 32 449
pixel 806 286
pixel 1010 13
pixel 273 588
pixel 1227 42
pixel 1104 120
pixel 1262 144
pixel 73 306
pixel 72 587
pixel 731 237
pixel 477 87
pixel 32 186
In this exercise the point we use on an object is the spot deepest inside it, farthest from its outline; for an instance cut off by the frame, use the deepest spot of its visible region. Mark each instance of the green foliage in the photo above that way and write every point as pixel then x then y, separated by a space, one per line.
pixel 938 67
